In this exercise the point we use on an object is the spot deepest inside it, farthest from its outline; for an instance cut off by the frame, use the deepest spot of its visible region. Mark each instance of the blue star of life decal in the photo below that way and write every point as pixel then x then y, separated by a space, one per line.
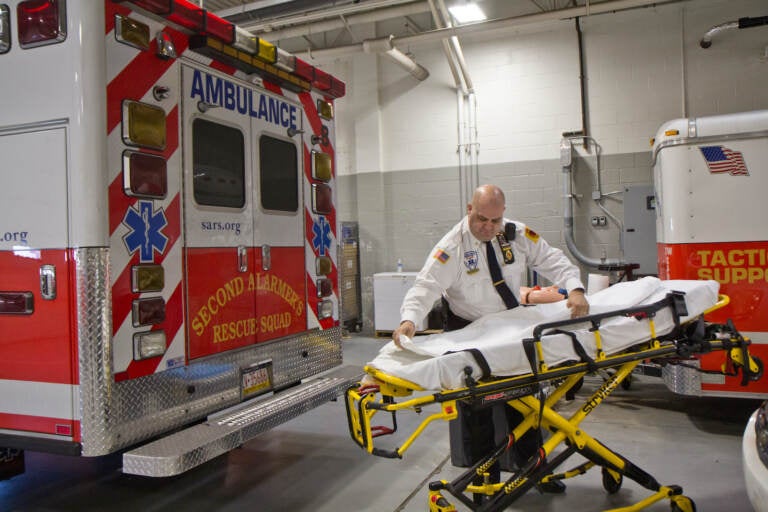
pixel 321 242
pixel 146 231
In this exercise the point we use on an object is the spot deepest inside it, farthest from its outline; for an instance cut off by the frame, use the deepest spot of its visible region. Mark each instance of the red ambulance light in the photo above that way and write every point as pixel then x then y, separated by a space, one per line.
pixel 338 88
pixel 148 311
pixel 324 287
pixel 304 70
pixel 62 429
pixel 321 198
pixel 188 15
pixel 41 22
pixel 322 80
pixel 145 175
pixel 161 7
pixel 16 303
pixel 219 28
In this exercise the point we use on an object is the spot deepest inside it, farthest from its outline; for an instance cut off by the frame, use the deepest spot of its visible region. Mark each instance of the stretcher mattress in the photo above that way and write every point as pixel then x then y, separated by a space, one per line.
pixel 438 361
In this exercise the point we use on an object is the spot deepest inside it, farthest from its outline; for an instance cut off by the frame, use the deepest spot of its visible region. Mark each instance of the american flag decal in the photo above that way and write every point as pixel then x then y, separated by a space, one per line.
pixel 721 159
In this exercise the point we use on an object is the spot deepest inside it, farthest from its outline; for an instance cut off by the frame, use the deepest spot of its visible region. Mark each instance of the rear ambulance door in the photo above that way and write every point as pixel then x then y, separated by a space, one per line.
pixel 37 379
pixel 218 214
pixel 278 217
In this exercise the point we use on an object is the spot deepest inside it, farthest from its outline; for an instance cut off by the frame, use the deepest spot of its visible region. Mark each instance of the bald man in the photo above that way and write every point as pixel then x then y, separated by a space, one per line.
pixel 478 268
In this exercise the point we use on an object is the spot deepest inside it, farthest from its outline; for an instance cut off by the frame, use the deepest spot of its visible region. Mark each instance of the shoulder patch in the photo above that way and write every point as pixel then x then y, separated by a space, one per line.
pixel 532 235
pixel 441 256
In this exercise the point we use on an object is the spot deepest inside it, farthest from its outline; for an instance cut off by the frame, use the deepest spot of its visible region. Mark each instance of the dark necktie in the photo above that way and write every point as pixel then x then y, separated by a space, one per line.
pixel 498 282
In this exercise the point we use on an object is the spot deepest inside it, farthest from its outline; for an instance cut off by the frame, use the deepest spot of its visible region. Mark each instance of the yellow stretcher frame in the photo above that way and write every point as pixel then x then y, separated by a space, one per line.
pixel 693 337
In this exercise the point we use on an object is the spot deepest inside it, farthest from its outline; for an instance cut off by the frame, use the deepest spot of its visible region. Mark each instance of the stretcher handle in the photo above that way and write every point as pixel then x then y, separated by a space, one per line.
pixel 673 300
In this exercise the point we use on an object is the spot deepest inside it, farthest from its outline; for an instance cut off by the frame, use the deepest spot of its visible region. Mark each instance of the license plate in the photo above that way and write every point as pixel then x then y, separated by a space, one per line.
pixel 256 379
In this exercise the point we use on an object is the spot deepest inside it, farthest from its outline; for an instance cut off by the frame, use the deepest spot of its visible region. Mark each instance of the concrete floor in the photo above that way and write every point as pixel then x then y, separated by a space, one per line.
pixel 311 464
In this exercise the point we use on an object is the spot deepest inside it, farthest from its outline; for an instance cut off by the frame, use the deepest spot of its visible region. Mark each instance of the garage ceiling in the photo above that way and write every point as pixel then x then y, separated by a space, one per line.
pixel 309 25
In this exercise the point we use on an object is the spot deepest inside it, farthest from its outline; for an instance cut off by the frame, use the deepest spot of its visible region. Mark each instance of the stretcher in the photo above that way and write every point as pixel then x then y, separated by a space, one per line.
pixel 663 325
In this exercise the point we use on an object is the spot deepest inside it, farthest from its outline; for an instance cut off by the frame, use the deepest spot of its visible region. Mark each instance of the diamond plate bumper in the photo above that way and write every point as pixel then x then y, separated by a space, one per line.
pixel 227 430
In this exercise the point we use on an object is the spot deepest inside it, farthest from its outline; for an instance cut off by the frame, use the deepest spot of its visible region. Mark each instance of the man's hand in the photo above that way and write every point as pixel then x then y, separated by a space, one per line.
pixel 406 328
pixel 577 303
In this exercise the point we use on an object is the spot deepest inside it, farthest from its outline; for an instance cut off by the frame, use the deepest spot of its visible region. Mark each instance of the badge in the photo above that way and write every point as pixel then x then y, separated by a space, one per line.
pixel 506 248
pixel 532 235
pixel 470 261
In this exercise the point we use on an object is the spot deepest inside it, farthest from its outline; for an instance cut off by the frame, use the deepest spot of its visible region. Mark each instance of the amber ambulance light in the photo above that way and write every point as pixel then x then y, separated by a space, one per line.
pixel 16 303
pixel 323 266
pixel 325 109
pixel 143 125
pixel 132 32
pixel 147 278
pixel 41 22
pixel 321 166
pixel 148 344
pixel 144 175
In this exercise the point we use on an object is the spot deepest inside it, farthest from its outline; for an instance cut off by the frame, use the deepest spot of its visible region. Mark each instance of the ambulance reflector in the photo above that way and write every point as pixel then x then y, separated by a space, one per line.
pixel 324 309
pixel 324 287
pixel 145 175
pixel 41 22
pixel 321 166
pixel 132 32
pixel 323 265
pixel 16 303
pixel 148 344
pixel 5 29
pixel 147 278
pixel 325 108
pixel 322 199
pixel 148 311
pixel 143 125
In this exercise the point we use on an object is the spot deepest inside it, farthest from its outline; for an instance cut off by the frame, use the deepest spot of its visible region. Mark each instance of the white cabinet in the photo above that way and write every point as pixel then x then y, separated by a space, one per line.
pixel 389 289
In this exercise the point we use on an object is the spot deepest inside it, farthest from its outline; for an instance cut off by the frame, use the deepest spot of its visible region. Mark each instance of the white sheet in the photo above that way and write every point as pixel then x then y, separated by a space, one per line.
pixel 423 360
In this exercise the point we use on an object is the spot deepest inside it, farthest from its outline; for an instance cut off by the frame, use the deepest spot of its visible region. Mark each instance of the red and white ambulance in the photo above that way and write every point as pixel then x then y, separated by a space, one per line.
pixel 711 178
pixel 168 232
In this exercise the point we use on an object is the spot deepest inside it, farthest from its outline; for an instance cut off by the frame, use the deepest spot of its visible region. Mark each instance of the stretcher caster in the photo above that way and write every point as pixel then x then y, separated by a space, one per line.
pixel 612 481
pixel 682 504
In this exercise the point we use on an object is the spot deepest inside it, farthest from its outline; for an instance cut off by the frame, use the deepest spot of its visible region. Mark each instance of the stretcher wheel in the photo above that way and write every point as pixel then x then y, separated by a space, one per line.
pixel 683 504
pixel 611 484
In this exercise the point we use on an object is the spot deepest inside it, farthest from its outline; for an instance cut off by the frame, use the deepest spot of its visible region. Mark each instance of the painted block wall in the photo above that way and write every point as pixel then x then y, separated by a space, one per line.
pixel 397 137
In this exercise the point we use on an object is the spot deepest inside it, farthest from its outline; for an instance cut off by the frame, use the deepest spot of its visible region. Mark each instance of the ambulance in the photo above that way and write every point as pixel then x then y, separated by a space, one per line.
pixel 168 233
pixel 710 179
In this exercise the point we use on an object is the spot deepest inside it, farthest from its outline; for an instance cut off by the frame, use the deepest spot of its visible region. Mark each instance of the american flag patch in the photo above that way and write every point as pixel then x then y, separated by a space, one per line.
pixel 721 160
pixel 442 256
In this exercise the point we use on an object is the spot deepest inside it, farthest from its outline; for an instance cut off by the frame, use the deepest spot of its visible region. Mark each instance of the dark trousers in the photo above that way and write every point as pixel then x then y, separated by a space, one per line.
pixel 478 430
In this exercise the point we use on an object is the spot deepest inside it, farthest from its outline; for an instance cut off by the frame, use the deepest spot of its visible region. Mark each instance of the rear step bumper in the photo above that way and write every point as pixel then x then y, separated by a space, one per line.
pixel 184 450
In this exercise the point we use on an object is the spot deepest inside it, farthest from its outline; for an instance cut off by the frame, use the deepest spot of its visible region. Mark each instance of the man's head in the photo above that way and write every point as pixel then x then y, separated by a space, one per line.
pixel 486 212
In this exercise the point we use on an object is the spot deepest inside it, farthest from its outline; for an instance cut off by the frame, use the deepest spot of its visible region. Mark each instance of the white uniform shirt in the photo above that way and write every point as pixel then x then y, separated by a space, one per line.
pixel 458 268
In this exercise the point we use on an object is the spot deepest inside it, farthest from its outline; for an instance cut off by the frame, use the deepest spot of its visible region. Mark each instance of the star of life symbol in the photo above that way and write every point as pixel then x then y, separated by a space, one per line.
pixel 321 241
pixel 146 231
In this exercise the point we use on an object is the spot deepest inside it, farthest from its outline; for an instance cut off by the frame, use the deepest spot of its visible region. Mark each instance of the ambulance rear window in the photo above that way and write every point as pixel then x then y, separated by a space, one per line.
pixel 218 163
pixel 279 175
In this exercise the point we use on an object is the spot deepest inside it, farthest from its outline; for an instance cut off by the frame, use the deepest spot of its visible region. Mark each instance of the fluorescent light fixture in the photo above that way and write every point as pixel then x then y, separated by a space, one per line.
pixel 467 12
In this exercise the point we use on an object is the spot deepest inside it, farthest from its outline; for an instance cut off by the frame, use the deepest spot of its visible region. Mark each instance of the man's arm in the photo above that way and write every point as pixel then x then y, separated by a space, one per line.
pixel 577 303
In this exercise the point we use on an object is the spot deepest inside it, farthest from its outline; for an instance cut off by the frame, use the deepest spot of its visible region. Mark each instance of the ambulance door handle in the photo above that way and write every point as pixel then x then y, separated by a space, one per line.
pixel 48 282
pixel 242 258
pixel 266 257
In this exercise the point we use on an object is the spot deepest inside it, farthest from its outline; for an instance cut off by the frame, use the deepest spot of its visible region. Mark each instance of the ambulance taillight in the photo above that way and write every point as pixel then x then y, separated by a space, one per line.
pixel 145 175
pixel 41 22
pixel 16 303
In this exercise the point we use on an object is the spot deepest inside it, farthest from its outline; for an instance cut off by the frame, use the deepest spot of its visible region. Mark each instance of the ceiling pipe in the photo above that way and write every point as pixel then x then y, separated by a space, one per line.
pixel 500 24
pixel 384 46
pixel 706 41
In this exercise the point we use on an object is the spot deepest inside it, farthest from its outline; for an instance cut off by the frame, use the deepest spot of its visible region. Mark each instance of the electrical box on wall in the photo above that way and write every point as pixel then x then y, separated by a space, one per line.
pixel 639 240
